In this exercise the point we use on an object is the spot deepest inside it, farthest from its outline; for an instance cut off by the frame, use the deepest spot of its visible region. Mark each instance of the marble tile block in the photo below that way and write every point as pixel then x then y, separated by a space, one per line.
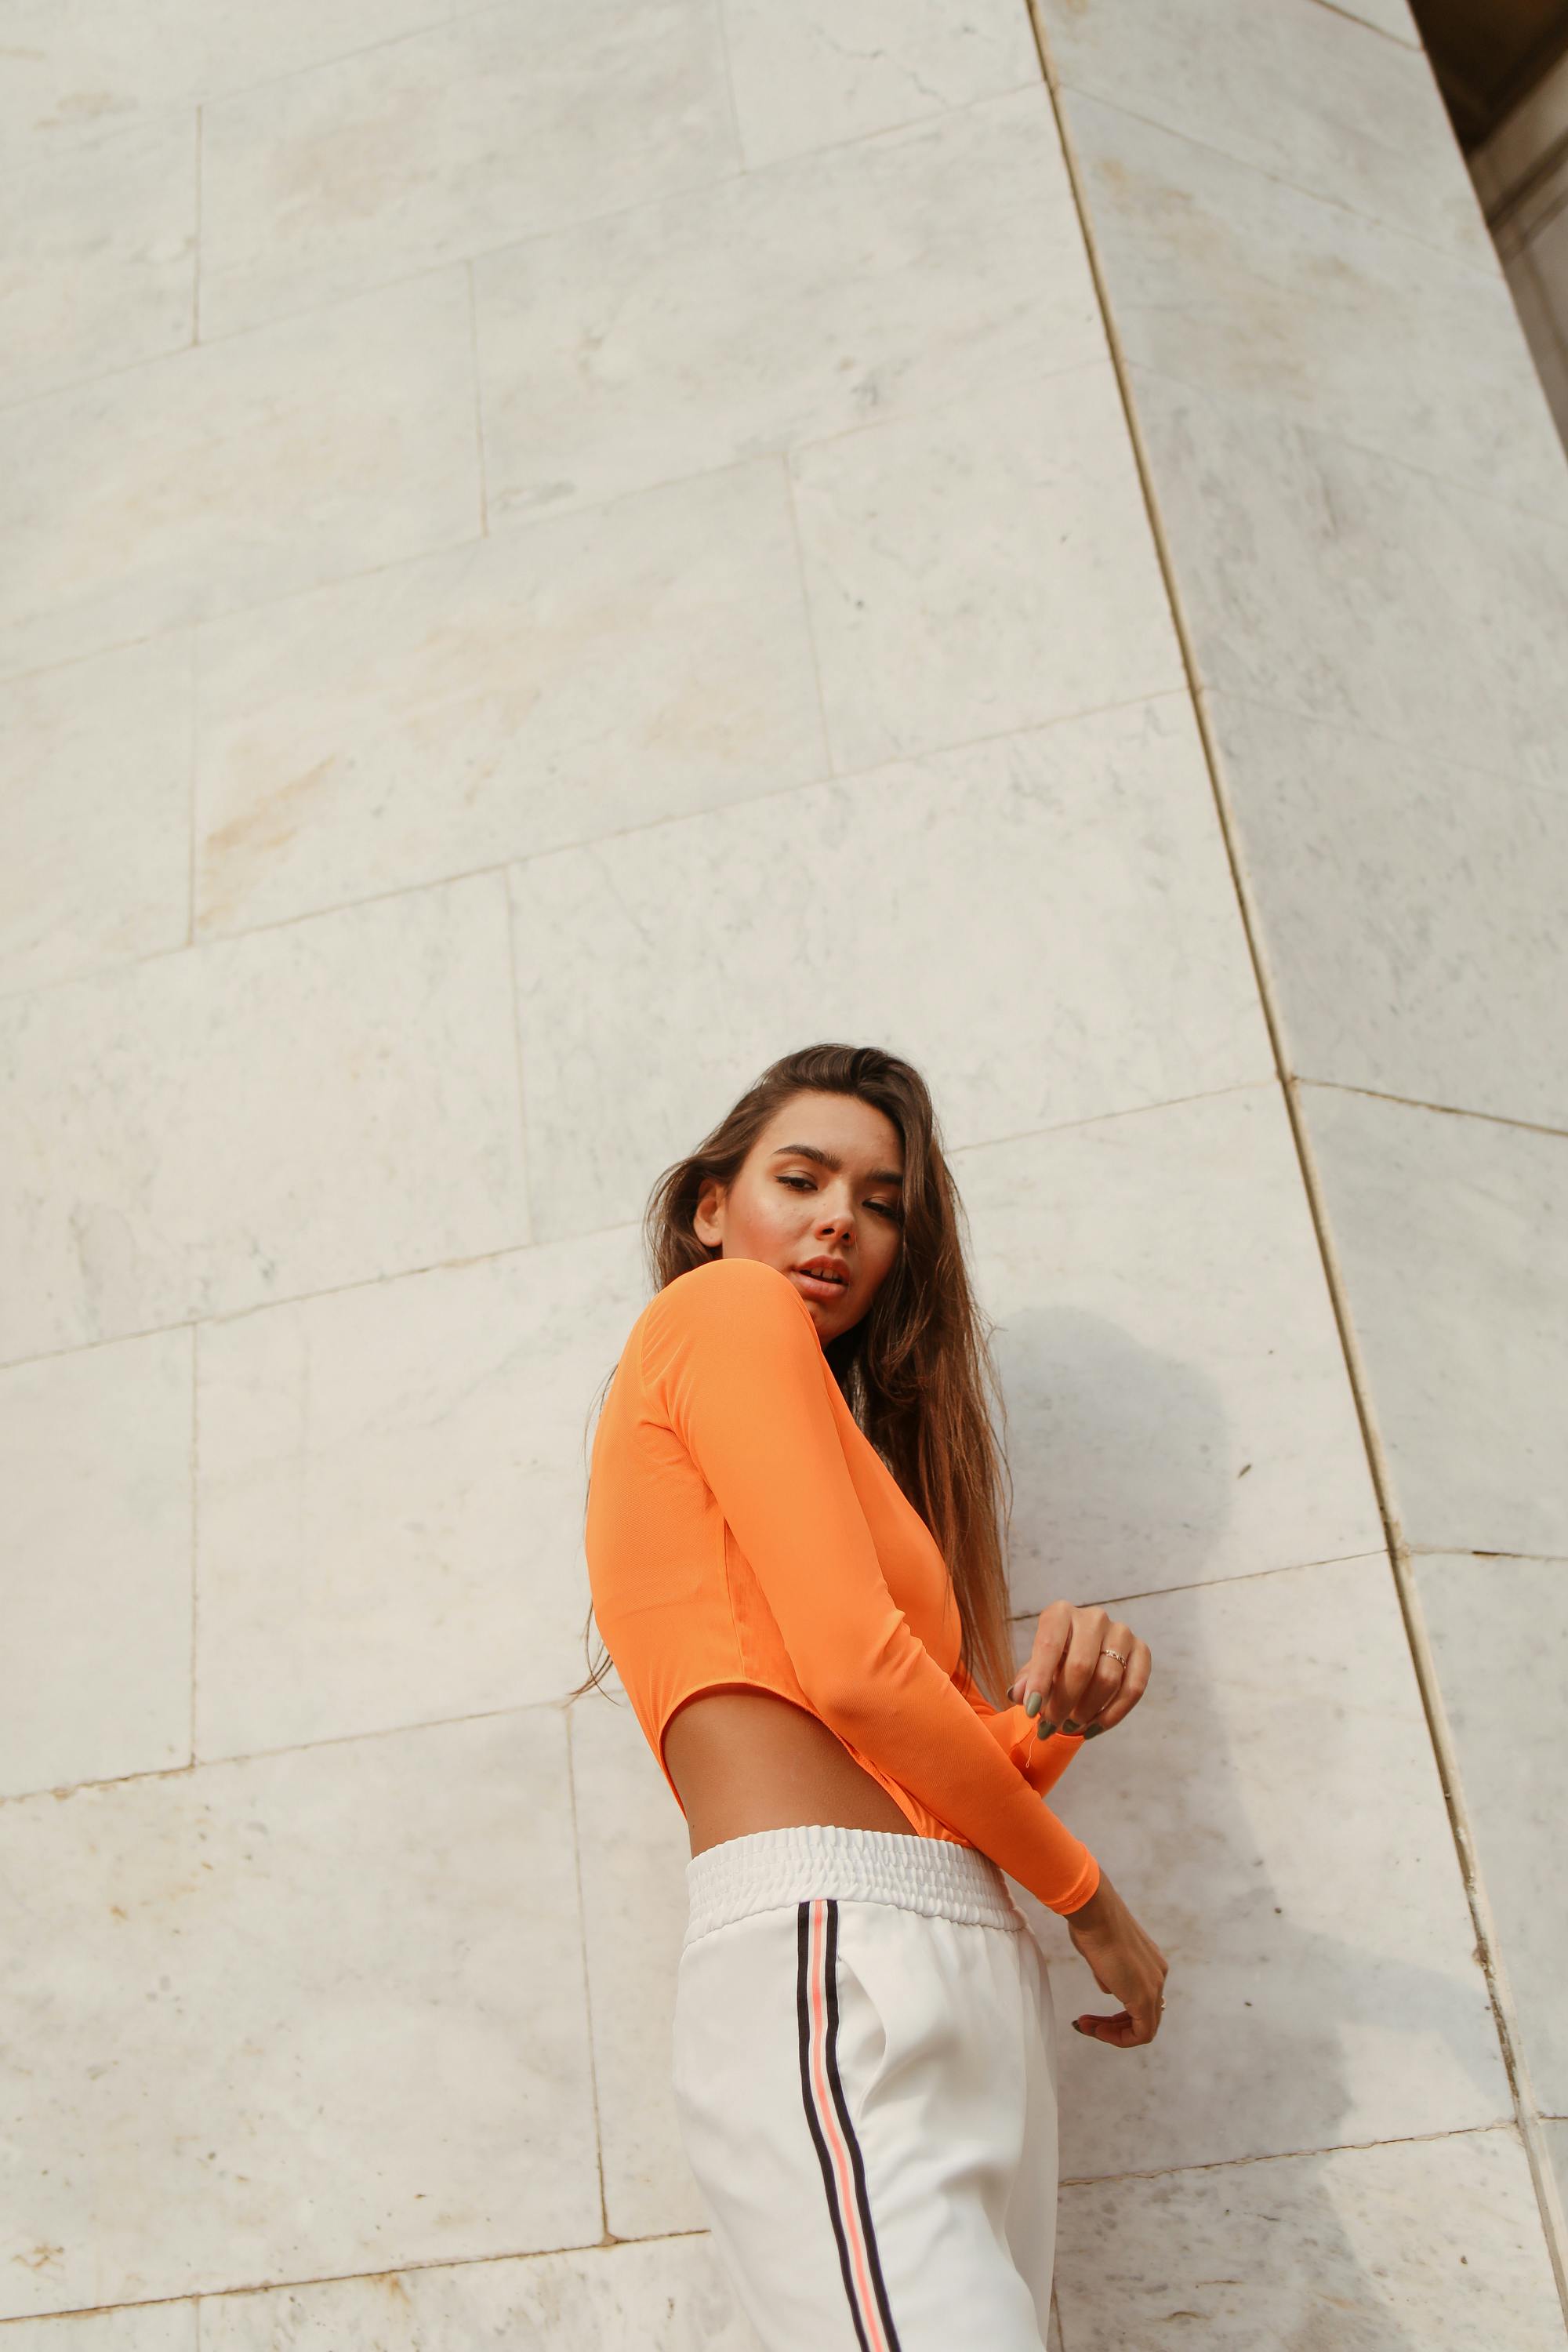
pixel 830 70
pixel 1428 2246
pixel 223 477
pixel 1499 1629
pixel 1297 88
pixel 1044 923
pixel 270 2007
pixel 505 121
pixel 1229 279
pixel 632 1852
pixel 97 256
pixel 982 567
pixel 668 2297
pixel 134 2327
pixel 638 661
pixel 261 1118
pixel 95 1497
pixel 391 1484
pixel 1345 586
pixel 1177 1401
pixel 867 281
pixel 1273 1815
pixel 95 827
pixel 1556 2134
pixel 76 76
pixel 1408 911
pixel 1452 1237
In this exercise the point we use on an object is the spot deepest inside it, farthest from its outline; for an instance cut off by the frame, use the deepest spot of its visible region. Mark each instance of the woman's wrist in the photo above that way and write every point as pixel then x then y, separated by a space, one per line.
pixel 1100 1907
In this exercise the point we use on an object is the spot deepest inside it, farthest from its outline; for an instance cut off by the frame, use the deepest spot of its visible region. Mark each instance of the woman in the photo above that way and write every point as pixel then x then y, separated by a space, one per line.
pixel 794 1547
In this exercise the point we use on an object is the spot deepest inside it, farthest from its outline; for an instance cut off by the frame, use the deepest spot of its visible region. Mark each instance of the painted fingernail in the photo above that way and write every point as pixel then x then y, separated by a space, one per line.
pixel 1072 1726
pixel 1032 1703
pixel 1094 1731
pixel 1045 1730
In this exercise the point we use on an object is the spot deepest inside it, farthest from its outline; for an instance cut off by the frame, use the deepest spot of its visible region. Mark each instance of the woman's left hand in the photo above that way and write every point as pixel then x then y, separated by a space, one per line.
pixel 1091 1671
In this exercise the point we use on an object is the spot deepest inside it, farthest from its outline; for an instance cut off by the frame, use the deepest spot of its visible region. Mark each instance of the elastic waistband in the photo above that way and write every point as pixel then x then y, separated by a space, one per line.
pixel 771 1869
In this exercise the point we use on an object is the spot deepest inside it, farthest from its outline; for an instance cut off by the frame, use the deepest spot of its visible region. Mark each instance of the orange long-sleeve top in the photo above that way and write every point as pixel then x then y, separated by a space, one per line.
pixel 742 1530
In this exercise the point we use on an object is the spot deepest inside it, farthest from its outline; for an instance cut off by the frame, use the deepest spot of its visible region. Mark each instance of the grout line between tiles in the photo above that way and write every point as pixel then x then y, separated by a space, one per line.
pixel 194 1360
pixel 587 508
pixel 722 26
pixel 583 1959
pixel 510 916
pixel 365 290
pixel 1433 1110
pixel 478 402
pixel 590 842
pixel 1488 271
pixel 197 242
pixel 1503 2011
pixel 301 72
pixel 200 2295
pixel 1214 1583
pixel 197 1763
pixel 1291 2155
pixel 1489 1943
pixel 829 753
pixel 1272 411
pixel 292 1748
pixel 193 691
pixel 1024 1617
pixel 1504 776
pixel 714 184
pixel 574 1239
pixel 1380 32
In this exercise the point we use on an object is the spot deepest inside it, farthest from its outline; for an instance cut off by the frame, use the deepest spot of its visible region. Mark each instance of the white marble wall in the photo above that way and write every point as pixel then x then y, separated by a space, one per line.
pixel 1363 505
pixel 550 556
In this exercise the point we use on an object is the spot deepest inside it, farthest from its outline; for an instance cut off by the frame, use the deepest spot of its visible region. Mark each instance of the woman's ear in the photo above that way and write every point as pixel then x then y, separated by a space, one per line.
pixel 707 1218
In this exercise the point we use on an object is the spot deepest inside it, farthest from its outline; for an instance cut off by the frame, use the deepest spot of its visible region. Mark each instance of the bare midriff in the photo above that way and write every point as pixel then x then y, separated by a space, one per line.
pixel 747 1760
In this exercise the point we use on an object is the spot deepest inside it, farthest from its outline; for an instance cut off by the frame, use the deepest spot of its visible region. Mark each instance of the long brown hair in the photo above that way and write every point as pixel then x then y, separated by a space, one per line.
pixel 916 1371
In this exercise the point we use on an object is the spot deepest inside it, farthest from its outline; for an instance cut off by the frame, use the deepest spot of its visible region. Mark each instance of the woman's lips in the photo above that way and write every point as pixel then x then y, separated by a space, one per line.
pixel 815 1287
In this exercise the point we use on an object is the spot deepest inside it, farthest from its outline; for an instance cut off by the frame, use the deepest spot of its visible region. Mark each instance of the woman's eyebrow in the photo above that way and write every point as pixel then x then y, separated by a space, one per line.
pixel 831 1159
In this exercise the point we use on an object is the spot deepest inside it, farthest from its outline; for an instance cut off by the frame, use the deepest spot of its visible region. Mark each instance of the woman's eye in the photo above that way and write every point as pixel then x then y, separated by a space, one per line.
pixel 883 1208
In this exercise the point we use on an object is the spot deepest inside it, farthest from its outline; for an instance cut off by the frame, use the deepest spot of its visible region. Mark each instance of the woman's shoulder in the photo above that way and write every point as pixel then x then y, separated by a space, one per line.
pixel 728 1298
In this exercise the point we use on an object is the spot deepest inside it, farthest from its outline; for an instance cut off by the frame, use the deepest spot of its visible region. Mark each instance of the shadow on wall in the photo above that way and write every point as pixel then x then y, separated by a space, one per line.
pixel 1271 1812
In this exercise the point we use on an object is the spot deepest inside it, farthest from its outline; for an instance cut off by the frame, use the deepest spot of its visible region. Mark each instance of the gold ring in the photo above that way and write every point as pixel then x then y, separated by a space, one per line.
pixel 1108 1652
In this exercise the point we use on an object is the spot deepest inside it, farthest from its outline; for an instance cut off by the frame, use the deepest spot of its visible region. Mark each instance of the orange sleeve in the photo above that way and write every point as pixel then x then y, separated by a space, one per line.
pixel 731 1352
pixel 1041 1761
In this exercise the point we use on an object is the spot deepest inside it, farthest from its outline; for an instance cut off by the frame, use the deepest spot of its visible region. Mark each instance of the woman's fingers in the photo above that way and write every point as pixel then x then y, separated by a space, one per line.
pixel 1122 2032
pixel 1052 1635
pixel 1105 2028
pixel 1107 1675
pixel 1063 1659
pixel 1093 1674
pixel 1088 1669
pixel 1133 1683
pixel 1130 2027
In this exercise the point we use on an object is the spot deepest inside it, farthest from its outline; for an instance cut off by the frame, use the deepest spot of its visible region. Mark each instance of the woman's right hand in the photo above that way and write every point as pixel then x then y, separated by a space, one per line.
pixel 1126 1964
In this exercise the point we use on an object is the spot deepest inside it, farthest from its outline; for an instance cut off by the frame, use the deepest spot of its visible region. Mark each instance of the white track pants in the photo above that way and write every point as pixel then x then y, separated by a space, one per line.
pixel 865 2079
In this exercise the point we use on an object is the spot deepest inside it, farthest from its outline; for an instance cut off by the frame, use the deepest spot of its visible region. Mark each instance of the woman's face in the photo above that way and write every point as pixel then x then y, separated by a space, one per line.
pixel 822 1186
